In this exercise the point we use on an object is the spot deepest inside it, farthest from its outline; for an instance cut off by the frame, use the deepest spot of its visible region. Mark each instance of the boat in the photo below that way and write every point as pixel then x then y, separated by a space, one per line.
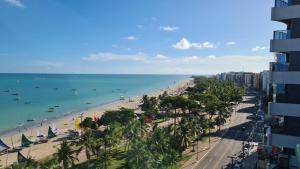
pixel 56 106
pixel 122 98
pixel 37 87
pixel 30 120
pixel 50 110
pixel 88 103
pixel 17 99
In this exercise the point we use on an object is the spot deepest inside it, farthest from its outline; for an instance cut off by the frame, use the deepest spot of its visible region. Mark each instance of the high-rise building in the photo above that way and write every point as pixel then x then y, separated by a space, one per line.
pixel 285 78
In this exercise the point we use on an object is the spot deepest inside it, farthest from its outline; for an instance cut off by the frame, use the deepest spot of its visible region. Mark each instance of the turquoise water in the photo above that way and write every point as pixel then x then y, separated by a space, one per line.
pixel 29 96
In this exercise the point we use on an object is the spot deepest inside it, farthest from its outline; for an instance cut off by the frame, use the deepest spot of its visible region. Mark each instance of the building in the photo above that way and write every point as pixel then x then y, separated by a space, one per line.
pixel 248 79
pixel 265 81
pixel 285 78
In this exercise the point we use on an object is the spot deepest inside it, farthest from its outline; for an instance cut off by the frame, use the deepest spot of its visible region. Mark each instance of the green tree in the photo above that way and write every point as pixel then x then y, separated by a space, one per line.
pixel 122 116
pixel 65 155
pixel 50 163
pixel 88 123
pixel 87 143
pixel 140 157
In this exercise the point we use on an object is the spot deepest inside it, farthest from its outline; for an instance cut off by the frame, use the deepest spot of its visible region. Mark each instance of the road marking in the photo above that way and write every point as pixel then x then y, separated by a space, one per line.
pixel 212 147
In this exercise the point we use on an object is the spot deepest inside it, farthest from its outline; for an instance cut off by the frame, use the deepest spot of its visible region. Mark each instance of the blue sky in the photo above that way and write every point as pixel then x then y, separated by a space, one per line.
pixel 135 36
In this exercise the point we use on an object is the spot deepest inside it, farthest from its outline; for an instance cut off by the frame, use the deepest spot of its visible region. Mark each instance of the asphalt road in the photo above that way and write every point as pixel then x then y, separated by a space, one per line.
pixel 231 143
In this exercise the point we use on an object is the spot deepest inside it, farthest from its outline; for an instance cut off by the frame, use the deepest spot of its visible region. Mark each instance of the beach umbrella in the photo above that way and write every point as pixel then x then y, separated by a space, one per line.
pixel 77 123
pixel 3 146
pixel 25 142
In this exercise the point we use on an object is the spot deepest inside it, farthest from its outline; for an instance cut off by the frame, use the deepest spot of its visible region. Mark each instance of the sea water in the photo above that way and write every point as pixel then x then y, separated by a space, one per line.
pixel 26 97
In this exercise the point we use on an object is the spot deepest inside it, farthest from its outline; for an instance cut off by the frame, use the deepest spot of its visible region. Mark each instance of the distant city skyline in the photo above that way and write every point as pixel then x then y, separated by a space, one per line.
pixel 135 37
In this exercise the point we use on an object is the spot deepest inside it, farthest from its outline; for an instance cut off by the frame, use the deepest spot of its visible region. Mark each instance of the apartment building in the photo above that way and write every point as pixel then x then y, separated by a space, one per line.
pixel 285 78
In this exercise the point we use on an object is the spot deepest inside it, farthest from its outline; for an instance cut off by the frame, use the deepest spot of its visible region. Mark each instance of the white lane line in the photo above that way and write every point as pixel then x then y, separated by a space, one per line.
pixel 196 164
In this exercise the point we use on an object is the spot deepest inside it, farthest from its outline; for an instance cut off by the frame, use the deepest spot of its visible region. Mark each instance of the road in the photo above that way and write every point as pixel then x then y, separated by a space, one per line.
pixel 231 143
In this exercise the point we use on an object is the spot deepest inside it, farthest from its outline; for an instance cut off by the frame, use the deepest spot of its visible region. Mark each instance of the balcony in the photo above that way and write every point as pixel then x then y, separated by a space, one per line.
pixel 281 140
pixel 284 109
pixel 282 35
pixel 284 10
pixel 282 3
pixel 290 77
pixel 280 58
pixel 282 42
pixel 279 67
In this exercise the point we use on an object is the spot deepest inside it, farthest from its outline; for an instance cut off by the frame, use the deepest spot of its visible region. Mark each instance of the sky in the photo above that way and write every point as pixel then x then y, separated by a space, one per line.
pixel 135 36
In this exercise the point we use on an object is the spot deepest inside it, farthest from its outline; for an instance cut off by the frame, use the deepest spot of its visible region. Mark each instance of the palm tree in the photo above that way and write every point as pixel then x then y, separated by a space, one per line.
pixel 211 103
pixel 86 143
pixel 132 132
pixel 49 164
pixel 223 114
pixel 65 155
pixel 139 156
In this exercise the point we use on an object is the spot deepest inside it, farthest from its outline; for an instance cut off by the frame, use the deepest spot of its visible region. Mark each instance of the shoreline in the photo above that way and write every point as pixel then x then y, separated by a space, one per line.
pixel 47 121
pixel 67 122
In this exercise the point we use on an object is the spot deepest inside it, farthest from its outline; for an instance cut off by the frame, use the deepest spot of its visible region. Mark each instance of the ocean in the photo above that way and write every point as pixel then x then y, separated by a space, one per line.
pixel 26 97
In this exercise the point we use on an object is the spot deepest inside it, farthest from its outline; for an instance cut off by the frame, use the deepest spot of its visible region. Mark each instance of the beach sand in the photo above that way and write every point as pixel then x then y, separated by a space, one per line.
pixel 67 123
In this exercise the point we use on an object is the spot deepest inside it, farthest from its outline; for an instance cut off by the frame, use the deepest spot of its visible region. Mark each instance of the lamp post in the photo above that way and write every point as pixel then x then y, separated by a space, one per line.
pixel 243 130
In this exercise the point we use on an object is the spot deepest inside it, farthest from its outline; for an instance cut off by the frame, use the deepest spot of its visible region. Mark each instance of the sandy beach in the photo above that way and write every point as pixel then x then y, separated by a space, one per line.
pixel 64 124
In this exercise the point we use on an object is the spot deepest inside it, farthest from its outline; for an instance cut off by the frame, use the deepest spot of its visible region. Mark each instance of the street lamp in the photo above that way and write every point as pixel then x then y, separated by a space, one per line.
pixel 243 129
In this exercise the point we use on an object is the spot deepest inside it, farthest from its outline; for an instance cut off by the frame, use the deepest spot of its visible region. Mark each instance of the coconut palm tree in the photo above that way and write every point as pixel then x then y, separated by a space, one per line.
pixel 211 103
pixel 65 155
pixel 86 143
pixel 131 133
pixel 139 156
pixel 49 164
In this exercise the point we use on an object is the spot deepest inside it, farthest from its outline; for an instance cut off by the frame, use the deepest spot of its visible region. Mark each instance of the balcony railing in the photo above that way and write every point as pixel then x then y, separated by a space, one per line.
pixel 279 89
pixel 279 67
pixel 282 3
pixel 282 35
pixel 281 58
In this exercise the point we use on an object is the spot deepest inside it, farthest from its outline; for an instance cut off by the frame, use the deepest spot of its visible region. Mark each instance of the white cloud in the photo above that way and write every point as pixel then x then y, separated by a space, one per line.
pixel 113 57
pixel 169 28
pixel 161 57
pixel 211 56
pixel 48 63
pixel 16 3
pixel 230 43
pixel 259 48
pixel 131 38
pixel 210 64
pixel 140 26
pixel 195 64
pixel 184 44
